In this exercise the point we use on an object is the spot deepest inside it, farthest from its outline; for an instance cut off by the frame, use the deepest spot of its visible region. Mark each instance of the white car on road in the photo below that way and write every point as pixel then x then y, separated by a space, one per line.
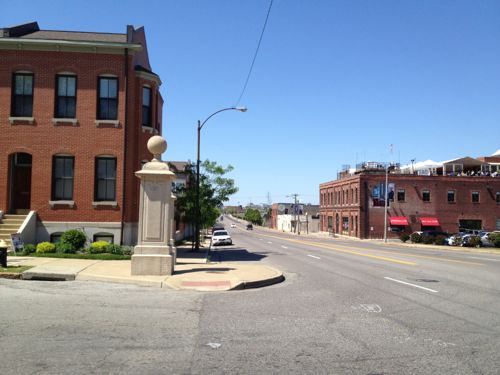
pixel 221 237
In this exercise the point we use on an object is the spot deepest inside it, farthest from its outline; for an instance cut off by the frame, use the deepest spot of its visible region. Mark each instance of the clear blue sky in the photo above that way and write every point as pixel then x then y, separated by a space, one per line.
pixel 335 82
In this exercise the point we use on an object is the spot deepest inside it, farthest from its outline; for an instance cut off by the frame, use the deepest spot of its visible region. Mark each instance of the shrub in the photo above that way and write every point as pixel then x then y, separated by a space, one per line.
pixel 440 240
pixel 404 237
pixel 427 239
pixel 473 241
pixel 45 247
pixel 495 238
pixel 415 238
pixel 28 249
pixel 457 241
pixel 75 238
pixel 64 248
pixel 127 250
pixel 98 247
pixel 114 249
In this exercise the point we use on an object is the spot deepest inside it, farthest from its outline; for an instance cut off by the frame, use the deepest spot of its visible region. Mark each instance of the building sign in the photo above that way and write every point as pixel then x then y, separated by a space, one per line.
pixel 17 242
pixel 378 194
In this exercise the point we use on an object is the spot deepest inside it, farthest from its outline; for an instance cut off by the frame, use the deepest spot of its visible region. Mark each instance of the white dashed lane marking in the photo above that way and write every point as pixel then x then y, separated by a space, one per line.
pixel 414 285
pixel 313 256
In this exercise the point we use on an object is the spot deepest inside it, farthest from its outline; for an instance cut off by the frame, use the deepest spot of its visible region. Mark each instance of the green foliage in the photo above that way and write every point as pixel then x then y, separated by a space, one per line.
pixel 456 241
pixel 440 240
pixel 215 189
pixel 473 241
pixel 28 249
pixel 104 256
pixel 427 239
pixel 45 247
pixel 75 238
pixel 415 238
pixel 494 237
pixel 127 250
pixel 252 215
pixel 404 237
pixel 64 248
pixel 98 247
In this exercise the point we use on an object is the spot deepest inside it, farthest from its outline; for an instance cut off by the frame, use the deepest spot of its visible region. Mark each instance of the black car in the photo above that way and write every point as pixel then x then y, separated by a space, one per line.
pixel 435 233
pixel 217 226
pixel 249 227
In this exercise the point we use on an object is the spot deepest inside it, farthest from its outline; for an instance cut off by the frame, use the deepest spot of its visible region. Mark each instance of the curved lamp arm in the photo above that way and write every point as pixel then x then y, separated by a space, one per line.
pixel 241 109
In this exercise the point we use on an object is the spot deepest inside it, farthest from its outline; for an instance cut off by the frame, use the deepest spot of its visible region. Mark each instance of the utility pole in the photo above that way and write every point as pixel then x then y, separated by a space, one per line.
pixel 295 211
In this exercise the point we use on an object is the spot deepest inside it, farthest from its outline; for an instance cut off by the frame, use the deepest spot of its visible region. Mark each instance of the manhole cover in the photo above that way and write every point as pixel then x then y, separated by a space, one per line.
pixel 427 280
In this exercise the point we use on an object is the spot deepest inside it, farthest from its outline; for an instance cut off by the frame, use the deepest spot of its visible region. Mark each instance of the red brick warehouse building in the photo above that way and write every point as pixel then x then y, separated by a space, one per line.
pixel 76 111
pixel 447 196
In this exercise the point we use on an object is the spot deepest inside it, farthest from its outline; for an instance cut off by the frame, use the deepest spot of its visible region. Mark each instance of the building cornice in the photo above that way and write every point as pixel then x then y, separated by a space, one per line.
pixel 66 45
pixel 149 76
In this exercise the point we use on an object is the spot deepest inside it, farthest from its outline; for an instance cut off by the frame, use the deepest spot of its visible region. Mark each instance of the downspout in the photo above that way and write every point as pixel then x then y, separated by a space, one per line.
pixel 125 140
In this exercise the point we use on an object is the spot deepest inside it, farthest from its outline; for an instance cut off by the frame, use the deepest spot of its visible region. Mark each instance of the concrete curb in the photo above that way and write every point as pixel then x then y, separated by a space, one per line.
pixel 47 276
pixel 259 283
pixel 10 275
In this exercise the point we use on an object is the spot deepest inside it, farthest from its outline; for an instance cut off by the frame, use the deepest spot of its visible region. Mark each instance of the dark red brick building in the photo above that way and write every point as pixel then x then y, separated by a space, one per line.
pixel 76 111
pixel 353 205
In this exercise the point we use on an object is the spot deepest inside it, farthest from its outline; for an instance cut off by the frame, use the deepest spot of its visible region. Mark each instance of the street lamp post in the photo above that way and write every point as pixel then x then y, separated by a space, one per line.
pixel 198 207
pixel 385 203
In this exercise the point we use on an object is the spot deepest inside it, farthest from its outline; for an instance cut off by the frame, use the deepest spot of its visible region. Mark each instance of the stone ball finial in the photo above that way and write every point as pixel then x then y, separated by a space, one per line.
pixel 157 145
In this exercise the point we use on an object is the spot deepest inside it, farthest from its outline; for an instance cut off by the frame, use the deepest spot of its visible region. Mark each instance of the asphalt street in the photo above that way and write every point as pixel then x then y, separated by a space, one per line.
pixel 346 307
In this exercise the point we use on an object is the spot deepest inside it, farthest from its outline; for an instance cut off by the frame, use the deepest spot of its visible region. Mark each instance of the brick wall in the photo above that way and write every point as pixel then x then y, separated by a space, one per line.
pixel 43 139
pixel 370 218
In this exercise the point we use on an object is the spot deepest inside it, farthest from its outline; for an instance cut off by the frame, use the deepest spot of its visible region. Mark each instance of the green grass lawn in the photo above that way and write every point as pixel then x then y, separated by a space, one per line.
pixel 15 269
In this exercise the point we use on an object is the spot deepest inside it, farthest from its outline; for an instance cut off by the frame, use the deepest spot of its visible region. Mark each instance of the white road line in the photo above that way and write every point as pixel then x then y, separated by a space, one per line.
pixel 312 256
pixel 494 260
pixel 284 247
pixel 416 286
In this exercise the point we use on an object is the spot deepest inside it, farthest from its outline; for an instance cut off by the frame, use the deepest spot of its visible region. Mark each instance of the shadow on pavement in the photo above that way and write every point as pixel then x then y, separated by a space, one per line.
pixel 208 270
pixel 220 254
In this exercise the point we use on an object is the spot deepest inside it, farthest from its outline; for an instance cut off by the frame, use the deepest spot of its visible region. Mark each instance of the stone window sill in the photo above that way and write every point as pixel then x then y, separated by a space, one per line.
pixel 149 129
pixel 99 123
pixel 14 119
pixel 58 121
pixel 113 204
pixel 70 204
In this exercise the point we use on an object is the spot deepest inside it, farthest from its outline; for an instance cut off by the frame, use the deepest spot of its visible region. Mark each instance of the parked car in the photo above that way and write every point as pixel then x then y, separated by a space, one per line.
pixel 217 226
pixel 233 225
pixel 221 237
pixel 249 227
pixel 455 239
pixel 485 239
pixel 435 233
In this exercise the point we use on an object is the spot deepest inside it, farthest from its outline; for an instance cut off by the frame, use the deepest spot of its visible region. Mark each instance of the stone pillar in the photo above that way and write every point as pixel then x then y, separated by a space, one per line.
pixel 153 253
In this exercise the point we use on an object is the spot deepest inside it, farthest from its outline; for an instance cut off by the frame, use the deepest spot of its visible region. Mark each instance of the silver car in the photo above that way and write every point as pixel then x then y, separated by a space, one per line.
pixel 221 237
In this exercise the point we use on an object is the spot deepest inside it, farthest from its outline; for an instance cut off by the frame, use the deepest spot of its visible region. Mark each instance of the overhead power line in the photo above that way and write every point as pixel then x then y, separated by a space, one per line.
pixel 255 55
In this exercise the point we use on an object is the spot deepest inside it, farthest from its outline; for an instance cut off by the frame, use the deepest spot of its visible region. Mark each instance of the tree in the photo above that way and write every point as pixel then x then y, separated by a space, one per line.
pixel 215 189
pixel 252 215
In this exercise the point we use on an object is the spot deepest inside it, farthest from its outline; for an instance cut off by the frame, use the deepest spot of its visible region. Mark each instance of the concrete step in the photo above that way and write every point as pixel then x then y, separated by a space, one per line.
pixel 14 217
pixel 10 226
pixel 8 231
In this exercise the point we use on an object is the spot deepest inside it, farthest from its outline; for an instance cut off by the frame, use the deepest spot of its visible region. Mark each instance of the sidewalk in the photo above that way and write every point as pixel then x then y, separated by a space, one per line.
pixel 191 272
